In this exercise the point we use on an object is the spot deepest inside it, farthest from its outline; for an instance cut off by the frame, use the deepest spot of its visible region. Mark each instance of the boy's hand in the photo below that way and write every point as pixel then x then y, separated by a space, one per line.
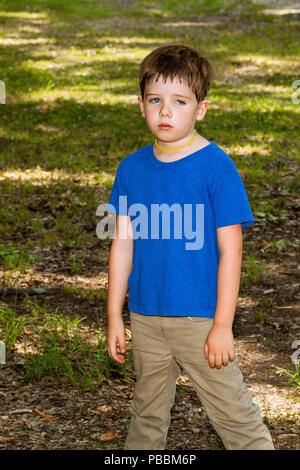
pixel 116 344
pixel 219 346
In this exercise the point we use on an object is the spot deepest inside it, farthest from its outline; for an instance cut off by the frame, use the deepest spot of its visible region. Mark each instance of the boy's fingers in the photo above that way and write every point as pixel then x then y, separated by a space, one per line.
pixel 225 358
pixel 112 351
pixel 218 360
pixel 231 355
pixel 211 359
pixel 206 351
pixel 118 358
pixel 121 345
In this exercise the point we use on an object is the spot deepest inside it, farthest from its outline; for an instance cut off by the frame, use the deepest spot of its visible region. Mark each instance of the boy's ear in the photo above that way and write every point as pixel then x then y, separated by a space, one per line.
pixel 141 104
pixel 202 108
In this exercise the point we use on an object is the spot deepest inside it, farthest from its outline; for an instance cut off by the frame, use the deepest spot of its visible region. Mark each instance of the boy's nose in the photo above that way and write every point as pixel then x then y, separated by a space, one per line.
pixel 165 111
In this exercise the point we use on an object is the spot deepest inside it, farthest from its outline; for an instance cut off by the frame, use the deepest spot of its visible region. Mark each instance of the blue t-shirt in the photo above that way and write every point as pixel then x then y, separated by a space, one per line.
pixel 175 208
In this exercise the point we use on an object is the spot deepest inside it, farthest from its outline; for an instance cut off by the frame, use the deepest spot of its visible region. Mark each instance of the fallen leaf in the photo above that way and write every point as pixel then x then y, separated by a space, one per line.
pixel 100 410
pixel 44 415
pixel 104 408
pixel 5 438
pixel 264 245
pixel 109 436
pixel 121 387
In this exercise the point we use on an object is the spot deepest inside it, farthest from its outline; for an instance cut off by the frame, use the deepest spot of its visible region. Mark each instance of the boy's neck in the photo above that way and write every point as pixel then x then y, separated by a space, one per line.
pixel 198 144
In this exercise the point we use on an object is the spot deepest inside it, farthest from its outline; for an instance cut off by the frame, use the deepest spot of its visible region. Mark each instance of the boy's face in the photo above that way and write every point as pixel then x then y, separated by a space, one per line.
pixel 172 103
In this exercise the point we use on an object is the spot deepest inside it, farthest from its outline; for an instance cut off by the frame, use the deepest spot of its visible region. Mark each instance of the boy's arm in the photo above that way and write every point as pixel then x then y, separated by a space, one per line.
pixel 219 345
pixel 120 266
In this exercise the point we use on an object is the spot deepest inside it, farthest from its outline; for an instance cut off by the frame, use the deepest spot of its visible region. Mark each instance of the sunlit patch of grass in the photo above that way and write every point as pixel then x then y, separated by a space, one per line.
pixel 92 295
pixel 11 326
pixel 293 376
pixel 15 260
pixel 51 345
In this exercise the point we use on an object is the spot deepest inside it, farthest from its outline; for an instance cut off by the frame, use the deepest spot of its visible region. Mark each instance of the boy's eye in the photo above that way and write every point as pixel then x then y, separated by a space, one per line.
pixel 151 100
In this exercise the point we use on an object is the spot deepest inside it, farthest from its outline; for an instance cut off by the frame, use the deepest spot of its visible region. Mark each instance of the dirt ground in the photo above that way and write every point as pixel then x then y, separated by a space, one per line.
pixel 50 416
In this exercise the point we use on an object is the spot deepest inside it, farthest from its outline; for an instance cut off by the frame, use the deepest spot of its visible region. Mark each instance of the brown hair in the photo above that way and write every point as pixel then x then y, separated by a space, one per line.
pixel 181 61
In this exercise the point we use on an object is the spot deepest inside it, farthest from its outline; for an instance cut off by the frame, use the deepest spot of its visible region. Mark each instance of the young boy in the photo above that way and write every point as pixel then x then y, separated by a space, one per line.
pixel 183 274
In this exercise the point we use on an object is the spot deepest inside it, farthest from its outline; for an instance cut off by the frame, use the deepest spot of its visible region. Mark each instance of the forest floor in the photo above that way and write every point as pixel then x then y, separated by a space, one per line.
pixel 48 415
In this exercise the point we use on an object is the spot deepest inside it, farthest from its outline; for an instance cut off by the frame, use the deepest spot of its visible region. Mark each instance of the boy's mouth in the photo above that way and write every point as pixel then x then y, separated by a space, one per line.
pixel 165 126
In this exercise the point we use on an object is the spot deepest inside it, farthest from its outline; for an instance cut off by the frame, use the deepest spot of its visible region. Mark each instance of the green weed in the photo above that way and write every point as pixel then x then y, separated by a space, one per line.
pixel 16 260
pixel 76 265
pixel 261 317
pixel 293 375
pixel 269 302
pixel 11 326
pixel 252 268
pixel 61 352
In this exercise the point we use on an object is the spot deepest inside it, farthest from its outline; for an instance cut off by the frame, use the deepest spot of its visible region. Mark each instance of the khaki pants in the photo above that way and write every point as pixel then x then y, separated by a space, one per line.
pixel 159 345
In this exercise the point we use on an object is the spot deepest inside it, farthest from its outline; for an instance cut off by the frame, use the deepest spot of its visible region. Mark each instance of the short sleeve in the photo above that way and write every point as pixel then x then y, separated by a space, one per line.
pixel 118 200
pixel 229 198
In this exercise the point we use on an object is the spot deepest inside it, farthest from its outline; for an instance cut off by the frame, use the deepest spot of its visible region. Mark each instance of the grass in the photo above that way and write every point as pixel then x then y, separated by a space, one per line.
pixel 252 267
pixel 11 326
pixel 67 118
pixel 90 294
pixel 292 375
pixel 261 317
pixel 16 260
pixel 61 352
pixel 53 346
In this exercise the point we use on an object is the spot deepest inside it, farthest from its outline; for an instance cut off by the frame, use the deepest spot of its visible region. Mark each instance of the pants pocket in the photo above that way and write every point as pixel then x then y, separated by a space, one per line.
pixel 200 319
